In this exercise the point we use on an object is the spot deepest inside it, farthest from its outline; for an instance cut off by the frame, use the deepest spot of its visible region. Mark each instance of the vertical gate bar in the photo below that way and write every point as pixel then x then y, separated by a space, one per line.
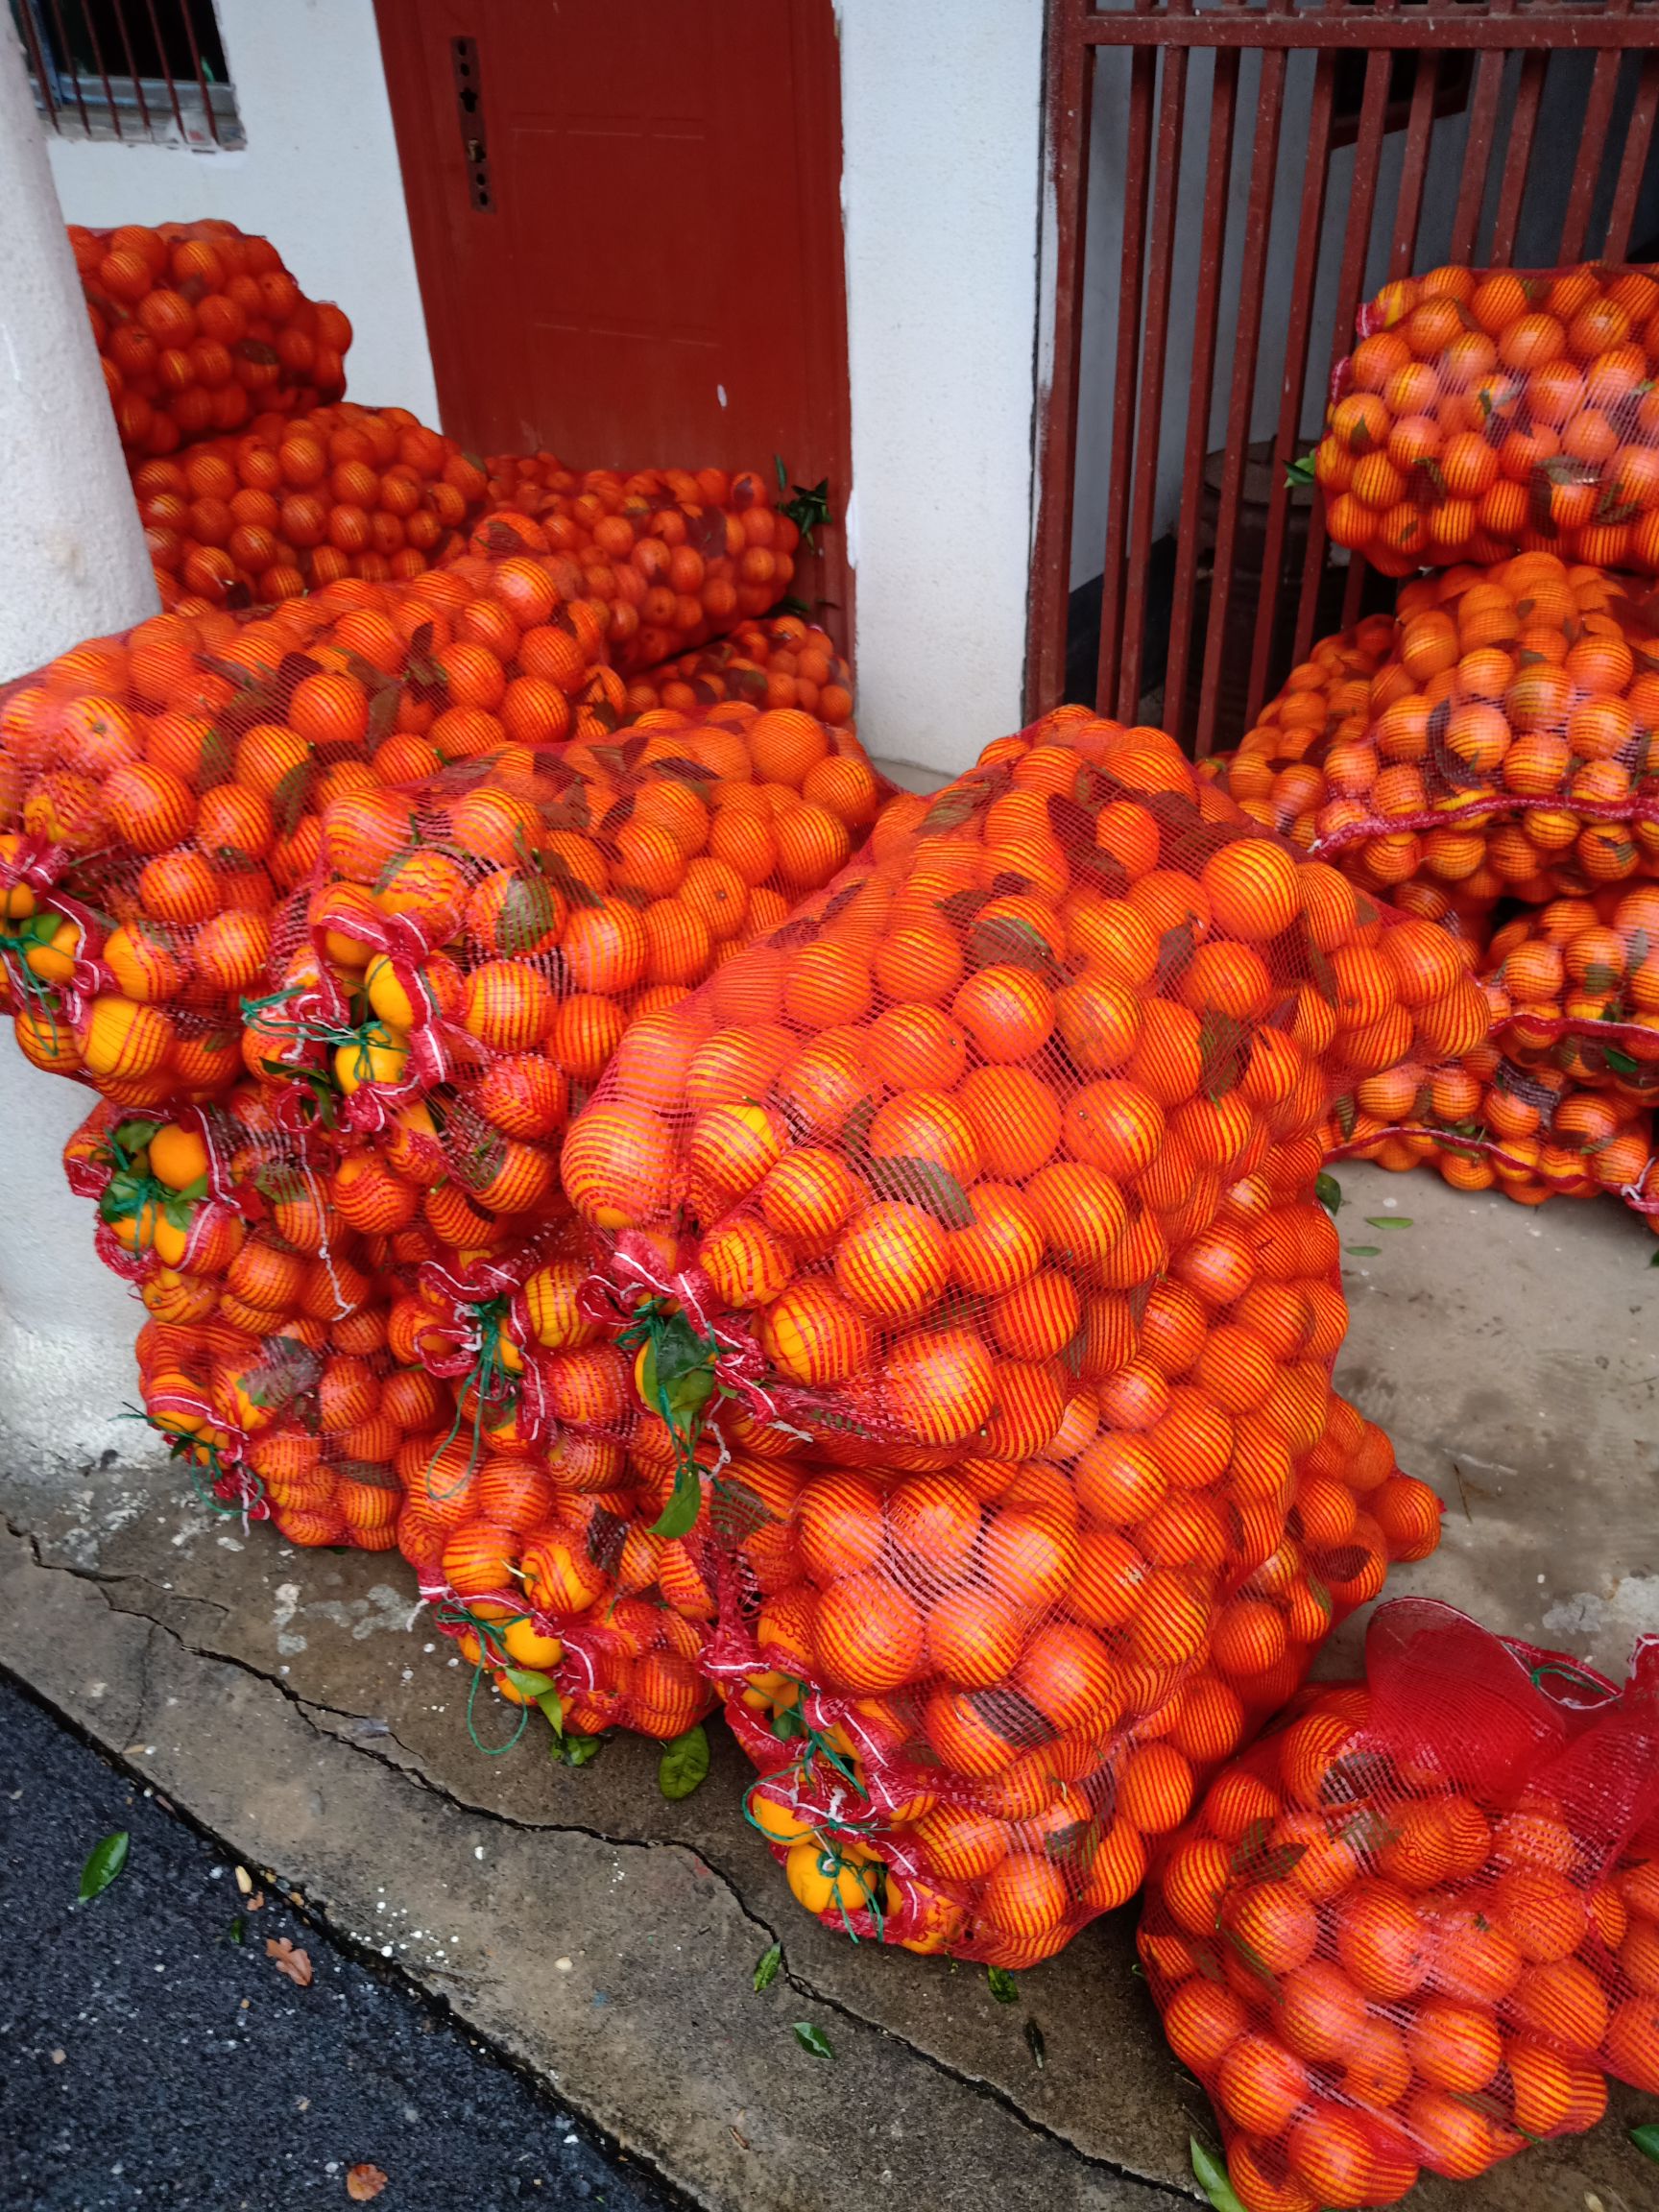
pixel 1137 150
pixel 1478 146
pixel 1352 589
pixel 42 76
pixel 1597 114
pixel 1149 425
pixel 1513 189
pixel 1414 165
pixel 1361 201
pixel 1311 226
pixel 132 65
pixel 1633 162
pixel 74 73
pixel 1212 252
pixel 1071 100
pixel 200 74
pixel 167 71
pixel 98 65
pixel 1252 283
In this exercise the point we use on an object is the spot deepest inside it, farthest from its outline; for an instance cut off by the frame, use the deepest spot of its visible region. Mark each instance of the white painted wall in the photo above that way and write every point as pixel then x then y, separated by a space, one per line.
pixel 73 562
pixel 319 177
pixel 941 117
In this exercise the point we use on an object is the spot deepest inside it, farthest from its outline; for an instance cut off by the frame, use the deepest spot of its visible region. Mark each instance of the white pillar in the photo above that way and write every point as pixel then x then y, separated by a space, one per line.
pixel 941 111
pixel 72 565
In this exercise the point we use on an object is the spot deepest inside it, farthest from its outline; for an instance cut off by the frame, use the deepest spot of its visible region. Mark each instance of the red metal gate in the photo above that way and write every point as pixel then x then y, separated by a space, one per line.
pixel 1446 96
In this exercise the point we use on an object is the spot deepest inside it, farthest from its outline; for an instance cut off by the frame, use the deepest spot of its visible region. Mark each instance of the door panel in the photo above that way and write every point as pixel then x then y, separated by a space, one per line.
pixel 654 275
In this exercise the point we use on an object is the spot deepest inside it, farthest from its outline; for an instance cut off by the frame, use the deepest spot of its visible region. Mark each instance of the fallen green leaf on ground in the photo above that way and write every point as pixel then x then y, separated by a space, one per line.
pixel 1389 1221
pixel 1362 1251
pixel 813 2039
pixel 1212 2180
pixel 1003 1984
pixel 1646 2139
pixel 683 1764
pixel 766 1969
pixel 103 1862
pixel 1328 1192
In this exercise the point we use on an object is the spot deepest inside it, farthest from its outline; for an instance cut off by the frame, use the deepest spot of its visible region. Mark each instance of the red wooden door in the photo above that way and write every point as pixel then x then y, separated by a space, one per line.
pixel 626 217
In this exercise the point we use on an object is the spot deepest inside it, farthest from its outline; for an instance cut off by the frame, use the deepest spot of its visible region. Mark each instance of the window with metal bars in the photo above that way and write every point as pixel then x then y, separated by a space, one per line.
pixel 146 72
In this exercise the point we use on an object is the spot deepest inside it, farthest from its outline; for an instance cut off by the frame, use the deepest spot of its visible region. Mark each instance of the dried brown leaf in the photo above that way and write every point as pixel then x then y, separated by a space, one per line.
pixel 295 1964
pixel 364 2184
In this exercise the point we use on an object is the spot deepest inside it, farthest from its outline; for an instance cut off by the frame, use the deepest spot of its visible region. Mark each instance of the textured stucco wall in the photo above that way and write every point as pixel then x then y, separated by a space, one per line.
pixel 941 115
pixel 318 176
pixel 72 564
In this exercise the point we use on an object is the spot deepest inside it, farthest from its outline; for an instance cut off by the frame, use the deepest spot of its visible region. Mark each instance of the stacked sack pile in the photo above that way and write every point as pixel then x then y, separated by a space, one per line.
pixel 327 1161
pixel 255 480
pixel 733 1229
pixel 1484 756
pixel 965 1233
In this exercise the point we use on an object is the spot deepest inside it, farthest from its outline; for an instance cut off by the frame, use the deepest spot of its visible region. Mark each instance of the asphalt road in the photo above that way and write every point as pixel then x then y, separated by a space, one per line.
pixel 148 2056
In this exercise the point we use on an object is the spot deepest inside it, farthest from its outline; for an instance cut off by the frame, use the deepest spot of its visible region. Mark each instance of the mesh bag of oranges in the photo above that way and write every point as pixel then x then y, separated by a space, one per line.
pixel 782 662
pixel 1487 1122
pixel 272 1381
pixel 299 500
pixel 162 792
pixel 676 556
pixel 967 1230
pixel 263 1359
pixel 173 1190
pixel 1019 1051
pixel 1504 749
pixel 201 328
pixel 1013 1789
pixel 1413 1928
pixel 542 1560
pixel 490 932
pixel 1276 774
pixel 1483 414
pixel 1575 985
pixel 534 1537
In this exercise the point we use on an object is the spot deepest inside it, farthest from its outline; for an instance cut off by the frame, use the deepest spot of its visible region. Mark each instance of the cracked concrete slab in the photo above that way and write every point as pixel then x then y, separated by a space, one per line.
pixel 304 1710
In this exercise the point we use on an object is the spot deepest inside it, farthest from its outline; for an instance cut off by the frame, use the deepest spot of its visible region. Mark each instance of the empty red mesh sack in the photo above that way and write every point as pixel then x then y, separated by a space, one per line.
pixel 1411 1929
pixel 1503 750
pixel 1078 1666
pixel 298 501
pixel 782 661
pixel 676 556
pixel 1485 413
pixel 200 328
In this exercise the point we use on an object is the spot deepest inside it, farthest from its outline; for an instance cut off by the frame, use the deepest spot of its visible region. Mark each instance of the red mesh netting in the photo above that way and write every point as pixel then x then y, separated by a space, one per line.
pixel 1483 413
pixel 200 328
pixel 1413 1927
